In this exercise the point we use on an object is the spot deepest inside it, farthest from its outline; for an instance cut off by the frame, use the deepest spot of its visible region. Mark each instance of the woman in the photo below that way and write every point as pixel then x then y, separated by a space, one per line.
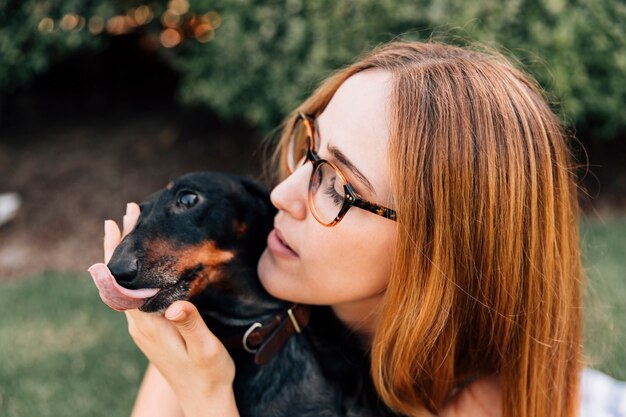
pixel 470 299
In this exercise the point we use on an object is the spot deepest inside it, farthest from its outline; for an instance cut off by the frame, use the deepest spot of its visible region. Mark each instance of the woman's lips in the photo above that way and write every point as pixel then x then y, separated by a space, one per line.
pixel 278 247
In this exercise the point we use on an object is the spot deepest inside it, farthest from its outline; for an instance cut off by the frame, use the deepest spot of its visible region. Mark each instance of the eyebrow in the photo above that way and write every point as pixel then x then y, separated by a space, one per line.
pixel 341 157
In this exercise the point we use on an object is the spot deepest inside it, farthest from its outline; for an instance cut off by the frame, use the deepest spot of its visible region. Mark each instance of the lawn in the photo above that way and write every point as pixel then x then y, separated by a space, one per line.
pixel 604 257
pixel 63 353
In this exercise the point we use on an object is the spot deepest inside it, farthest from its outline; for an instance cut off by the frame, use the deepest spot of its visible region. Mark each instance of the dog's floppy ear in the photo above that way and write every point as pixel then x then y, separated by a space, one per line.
pixel 257 192
pixel 253 217
pixel 255 211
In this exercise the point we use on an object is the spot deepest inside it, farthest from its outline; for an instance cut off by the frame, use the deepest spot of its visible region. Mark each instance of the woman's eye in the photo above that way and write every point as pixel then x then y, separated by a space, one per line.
pixel 187 199
pixel 331 191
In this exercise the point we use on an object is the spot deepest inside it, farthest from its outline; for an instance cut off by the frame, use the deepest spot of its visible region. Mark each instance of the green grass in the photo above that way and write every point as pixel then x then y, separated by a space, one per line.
pixel 64 353
pixel 604 257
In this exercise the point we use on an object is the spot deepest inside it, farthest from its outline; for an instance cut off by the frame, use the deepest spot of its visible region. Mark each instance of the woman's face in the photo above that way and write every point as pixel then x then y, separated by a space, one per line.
pixel 348 265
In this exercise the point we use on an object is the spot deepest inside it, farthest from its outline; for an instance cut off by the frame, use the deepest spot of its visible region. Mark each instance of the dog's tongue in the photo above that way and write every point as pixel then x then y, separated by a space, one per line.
pixel 113 294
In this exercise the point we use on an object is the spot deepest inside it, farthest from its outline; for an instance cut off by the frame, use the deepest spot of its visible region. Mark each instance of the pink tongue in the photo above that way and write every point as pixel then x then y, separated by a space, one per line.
pixel 113 294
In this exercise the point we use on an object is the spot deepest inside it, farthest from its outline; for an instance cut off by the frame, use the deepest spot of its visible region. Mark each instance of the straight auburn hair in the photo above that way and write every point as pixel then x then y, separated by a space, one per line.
pixel 486 278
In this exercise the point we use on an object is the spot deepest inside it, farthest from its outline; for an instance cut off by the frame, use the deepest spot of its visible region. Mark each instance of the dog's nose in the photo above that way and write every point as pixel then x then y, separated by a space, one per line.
pixel 124 270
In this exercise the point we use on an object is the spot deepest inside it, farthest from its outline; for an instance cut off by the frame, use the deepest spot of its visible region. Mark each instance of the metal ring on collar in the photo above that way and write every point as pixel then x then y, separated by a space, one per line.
pixel 245 337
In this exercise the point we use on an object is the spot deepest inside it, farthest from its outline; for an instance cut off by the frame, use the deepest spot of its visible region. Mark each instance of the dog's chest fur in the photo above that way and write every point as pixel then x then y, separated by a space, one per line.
pixel 318 373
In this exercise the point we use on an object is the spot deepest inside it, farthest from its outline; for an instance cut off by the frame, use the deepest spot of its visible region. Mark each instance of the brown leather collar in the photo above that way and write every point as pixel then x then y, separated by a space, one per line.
pixel 265 339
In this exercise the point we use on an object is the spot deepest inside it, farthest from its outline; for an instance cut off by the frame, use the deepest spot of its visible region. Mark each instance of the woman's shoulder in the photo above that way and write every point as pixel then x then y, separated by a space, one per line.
pixel 481 398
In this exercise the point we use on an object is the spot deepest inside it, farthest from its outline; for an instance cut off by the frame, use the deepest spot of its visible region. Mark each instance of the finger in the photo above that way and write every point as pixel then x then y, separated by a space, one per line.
pixel 197 336
pixel 147 328
pixel 112 237
pixel 130 218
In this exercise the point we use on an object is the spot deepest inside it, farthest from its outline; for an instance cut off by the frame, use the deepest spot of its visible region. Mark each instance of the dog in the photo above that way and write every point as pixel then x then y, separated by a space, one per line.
pixel 199 239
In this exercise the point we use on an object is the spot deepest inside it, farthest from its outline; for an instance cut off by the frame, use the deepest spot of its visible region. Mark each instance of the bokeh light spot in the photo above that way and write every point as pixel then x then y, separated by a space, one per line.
pixel 213 19
pixel 178 7
pixel 203 33
pixel 46 25
pixel 170 37
pixel 170 19
pixel 95 25
pixel 69 22
pixel 143 15
pixel 117 25
pixel 129 21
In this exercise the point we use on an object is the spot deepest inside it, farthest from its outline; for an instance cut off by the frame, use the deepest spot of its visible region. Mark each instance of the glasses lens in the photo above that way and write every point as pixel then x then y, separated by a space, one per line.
pixel 298 145
pixel 326 193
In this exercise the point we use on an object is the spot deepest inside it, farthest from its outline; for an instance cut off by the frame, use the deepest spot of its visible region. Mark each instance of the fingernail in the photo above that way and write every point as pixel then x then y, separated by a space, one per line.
pixel 127 207
pixel 175 312
pixel 105 225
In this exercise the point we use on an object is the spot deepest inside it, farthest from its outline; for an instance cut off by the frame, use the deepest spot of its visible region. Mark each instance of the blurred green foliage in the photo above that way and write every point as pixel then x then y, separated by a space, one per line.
pixel 268 55
pixel 24 50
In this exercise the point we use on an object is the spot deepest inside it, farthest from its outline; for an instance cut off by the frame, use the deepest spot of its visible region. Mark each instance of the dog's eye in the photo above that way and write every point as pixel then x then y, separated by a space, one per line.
pixel 187 199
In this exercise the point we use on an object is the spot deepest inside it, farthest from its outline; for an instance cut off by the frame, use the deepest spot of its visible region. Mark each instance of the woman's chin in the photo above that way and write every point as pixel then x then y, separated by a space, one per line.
pixel 266 269
pixel 274 279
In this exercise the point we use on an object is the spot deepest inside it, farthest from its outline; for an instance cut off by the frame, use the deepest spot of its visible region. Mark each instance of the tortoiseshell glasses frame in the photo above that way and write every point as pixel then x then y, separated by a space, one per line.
pixel 297 156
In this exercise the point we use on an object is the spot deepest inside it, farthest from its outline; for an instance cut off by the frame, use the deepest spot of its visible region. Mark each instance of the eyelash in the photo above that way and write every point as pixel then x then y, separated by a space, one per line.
pixel 332 193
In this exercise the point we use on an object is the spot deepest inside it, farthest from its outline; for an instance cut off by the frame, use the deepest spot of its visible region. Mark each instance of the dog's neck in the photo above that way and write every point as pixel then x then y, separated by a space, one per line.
pixel 238 299
pixel 266 336
pixel 244 316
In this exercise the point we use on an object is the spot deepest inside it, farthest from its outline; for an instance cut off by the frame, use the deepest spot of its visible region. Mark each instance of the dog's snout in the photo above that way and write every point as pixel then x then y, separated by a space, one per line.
pixel 125 271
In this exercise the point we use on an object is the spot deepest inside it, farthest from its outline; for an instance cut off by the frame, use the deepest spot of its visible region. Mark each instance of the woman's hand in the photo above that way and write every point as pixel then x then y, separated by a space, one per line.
pixel 192 360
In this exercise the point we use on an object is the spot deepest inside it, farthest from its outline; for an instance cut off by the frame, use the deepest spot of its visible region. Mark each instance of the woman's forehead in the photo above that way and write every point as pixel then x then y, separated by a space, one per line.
pixel 357 121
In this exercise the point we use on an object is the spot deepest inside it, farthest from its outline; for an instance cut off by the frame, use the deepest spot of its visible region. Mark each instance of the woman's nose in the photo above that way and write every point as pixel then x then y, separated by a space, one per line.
pixel 291 194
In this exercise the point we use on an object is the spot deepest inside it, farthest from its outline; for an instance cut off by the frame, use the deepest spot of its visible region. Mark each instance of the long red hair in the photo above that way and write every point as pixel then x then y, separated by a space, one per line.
pixel 486 278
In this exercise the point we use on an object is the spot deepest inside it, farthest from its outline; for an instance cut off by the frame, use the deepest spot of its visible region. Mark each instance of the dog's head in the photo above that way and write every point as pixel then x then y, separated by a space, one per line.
pixel 199 239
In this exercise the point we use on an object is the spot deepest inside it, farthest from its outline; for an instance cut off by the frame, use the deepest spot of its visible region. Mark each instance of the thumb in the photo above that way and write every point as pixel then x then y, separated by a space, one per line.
pixel 112 237
pixel 197 336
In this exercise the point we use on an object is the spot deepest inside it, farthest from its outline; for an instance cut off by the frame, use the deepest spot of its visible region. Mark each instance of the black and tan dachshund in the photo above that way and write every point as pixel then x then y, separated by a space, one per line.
pixel 200 239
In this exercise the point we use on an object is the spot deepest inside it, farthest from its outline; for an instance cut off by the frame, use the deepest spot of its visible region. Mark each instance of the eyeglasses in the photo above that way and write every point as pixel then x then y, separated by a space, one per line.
pixel 330 194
